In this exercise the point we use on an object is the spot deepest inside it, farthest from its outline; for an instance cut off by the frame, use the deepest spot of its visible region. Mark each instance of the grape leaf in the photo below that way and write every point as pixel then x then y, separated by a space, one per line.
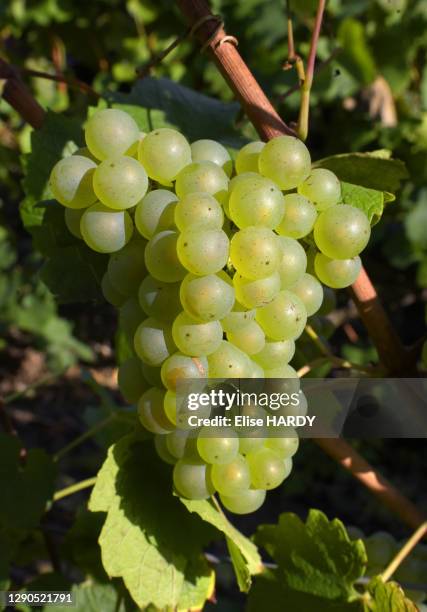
pixel 389 597
pixel 244 554
pixel 374 170
pixel 370 201
pixel 93 597
pixel 145 538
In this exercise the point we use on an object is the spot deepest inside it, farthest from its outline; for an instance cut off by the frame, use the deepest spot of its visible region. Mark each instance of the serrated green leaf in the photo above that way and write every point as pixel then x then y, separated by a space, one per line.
pixel 244 554
pixel 93 597
pixel 375 169
pixel 389 597
pixel 370 201
pixel 26 488
pixel 144 539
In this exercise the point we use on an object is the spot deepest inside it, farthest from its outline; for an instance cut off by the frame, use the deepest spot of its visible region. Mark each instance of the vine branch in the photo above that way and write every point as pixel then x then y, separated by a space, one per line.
pixel 404 552
pixel 15 92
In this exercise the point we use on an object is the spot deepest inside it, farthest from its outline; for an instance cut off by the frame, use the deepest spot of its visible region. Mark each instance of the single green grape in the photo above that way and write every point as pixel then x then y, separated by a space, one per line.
pixel 164 153
pixel 284 318
pixel 310 292
pixel 203 251
pixel 210 150
pixel 126 268
pixel 130 380
pixel 322 187
pixel 337 273
pixel 198 210
pixel 162 449
pixel 249 339
pixel 284 371
pixel 256 293
pixel 158 299
pixel 267 469
pixel 130 316
pixel 161 257
pixel 286 161
pixel 255 252
pixel 300 215
pixel 181 367
pixel 232 478
pixel 249 443
pixel 177 443
pixel 153 342
pixel 293 262
pixel 237 318
pixel 110 293
pixel 217 445
pixel 151 413
pixel 110 132
pixel 207 298
pixel 285 446
pixel 196 338
pixel 71 181
pixel 255 370
pixel 120 182
pixel 228 362
pixel 342 231
pixel 256 202
pixel 275 353
pixel 381 548
pixel 244 502
pixel 191 479
pixel 240 178
pixel 155 212
pixel 72 218
pixel 202 176
pixel 247 157
pixel 105 230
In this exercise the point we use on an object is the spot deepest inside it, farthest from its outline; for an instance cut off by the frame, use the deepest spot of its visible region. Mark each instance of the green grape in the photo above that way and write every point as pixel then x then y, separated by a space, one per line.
pixel 203 251
pixel 170 405
pixel 256 293
pixel 164 153
pixel 381 548
pixel 310 292
pixel 153 342
pixel 267 469
pixel 177 442
pixel 198 210
pixel 162 449
pixel 181 367
pixel 300 215
pixel 110 293
pixel 151 374
pixel 130 380
pixel 130 316
pixel 210 150
pixel 120 182
pixel 232 478
pixel 286 161
pixel 256 371
pixel 151 413
pixel 71 181
pixel 282 371
pixel 161 257
pixel 245 502
pixel 247 157
pixel 155 212
pixel 275 354
pixel 256 202
pixel 284 318
pixel 255 252
pixel 237 318
pixel 228 362
pixel 249 444
pixel 202 176
pixel 207 298
pixel 249 339
pixel 126 268
pixel 196 338
pixel 293 262
pixel 72 219
pixel 236 180
pixel 110 132
pixel 337 273
pixel 191 479
pixel 285 446
pixel 159 300
pixel 322 187
pixel 105 230
pixel 342 232
pixel 217 445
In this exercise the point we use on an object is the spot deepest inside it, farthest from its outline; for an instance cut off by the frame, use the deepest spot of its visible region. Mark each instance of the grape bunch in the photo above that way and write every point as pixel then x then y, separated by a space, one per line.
pixel 208 269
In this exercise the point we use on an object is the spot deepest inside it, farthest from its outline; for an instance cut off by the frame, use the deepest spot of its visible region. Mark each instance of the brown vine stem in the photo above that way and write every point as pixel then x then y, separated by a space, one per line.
pixel 15 92
pixel 60 78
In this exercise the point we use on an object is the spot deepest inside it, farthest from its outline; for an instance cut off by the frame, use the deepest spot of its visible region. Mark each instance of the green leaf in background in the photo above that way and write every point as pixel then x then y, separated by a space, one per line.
pixel 356 56
pixel 370 201
pixel 374 170
pixel 146 535
pixel 317 563
pixel 389 597
pixel 93 597
pixel 416 223
pixel 26 486
pixel 244 554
